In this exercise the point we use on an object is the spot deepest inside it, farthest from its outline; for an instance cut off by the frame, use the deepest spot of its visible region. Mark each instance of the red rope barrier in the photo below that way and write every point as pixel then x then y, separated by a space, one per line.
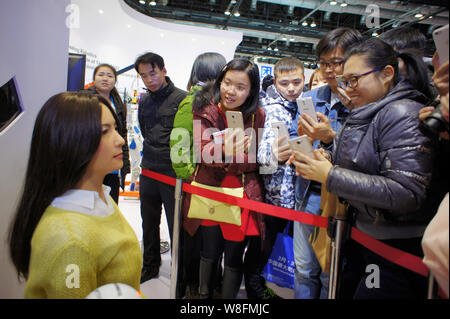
pixel 252 205
pixel 392 254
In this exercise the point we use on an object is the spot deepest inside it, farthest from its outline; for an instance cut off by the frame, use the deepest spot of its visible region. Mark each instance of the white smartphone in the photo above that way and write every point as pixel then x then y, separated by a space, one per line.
pixel 303 144
pixel 235 119
pixel 440 37
pixel 282 131
pixel 306 105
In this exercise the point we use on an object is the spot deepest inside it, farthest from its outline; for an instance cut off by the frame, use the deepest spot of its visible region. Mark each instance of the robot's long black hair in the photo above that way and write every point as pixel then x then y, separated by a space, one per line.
pixel 66 136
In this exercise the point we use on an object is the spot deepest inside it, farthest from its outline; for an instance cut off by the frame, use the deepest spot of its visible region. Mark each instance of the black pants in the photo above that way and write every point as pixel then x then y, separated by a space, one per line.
pixel 191 257
pixel 112 180
pixel 152 195
pixel 395 282
pixel 214 245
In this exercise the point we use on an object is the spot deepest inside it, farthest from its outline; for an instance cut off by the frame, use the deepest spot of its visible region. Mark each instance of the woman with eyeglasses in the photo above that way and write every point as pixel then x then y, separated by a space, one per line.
pixel 332 109
pixel 381 166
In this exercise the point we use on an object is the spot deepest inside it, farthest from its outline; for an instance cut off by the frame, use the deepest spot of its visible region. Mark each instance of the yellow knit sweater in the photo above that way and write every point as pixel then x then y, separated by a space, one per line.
pixel 73 253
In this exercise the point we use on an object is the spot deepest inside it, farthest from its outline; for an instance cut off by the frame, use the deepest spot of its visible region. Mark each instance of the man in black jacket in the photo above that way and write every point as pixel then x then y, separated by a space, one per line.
pixel 156 113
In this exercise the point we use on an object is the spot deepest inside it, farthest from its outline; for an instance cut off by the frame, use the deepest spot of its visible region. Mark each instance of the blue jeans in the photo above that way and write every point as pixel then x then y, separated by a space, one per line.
pixel 310 282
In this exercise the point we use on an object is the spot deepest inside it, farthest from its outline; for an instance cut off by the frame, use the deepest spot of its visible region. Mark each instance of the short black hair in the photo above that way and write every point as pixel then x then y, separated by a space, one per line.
pixel 149 58
pixel 405 38
pixel 288 63
pixel 338 38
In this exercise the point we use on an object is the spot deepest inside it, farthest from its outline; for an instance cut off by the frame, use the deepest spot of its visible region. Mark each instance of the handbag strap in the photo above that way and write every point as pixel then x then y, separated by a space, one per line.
pixel 287 228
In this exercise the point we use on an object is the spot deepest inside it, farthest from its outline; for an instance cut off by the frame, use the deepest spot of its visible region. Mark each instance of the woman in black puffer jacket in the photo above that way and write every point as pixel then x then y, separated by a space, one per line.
pixel 382 166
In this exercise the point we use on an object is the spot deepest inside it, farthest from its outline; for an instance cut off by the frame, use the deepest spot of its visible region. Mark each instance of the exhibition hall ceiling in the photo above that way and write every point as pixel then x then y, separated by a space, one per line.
pixel 276 28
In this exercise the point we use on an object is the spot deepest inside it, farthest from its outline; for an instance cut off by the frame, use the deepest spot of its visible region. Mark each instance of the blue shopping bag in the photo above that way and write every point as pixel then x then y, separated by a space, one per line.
pixel 281 264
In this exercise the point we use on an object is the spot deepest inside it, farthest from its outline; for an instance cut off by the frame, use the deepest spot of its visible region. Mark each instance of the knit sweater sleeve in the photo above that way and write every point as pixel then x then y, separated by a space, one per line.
pixel 62 265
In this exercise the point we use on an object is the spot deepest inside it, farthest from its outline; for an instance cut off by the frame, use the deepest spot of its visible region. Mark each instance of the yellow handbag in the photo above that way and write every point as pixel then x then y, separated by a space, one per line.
pixel 205 208
pixel 321 242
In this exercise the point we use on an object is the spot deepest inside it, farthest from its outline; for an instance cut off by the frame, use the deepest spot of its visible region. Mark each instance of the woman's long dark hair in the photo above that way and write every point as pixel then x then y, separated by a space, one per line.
pixel 205 68
pixel 379 54
pixel 65 137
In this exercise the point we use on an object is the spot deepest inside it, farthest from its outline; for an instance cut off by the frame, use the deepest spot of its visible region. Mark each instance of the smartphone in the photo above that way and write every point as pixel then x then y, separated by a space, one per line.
pixel 306 105
pixel 235 119
pixel 440 37
pixel 303 144
pixel 282 131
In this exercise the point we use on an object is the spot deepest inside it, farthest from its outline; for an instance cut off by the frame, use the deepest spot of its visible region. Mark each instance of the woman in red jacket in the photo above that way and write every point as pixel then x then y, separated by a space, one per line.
pixel 235 89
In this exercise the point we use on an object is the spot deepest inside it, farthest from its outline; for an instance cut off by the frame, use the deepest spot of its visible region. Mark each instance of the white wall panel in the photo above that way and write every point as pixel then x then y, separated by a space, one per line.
pixel 119 34
pixel 34 45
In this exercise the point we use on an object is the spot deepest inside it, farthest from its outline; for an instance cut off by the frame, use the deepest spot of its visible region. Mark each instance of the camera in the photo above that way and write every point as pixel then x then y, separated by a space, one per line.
pixel 434 124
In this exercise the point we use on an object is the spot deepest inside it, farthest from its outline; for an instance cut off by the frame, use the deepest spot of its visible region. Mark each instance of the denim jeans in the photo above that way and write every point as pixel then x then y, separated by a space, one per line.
pixel 309 281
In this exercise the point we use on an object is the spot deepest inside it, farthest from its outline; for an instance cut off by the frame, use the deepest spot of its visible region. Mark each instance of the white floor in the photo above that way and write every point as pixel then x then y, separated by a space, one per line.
pixel 159 288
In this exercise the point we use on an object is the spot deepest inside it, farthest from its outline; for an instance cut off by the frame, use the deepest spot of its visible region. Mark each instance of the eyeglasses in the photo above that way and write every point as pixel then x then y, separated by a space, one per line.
pixel 334 64
pixel 352 82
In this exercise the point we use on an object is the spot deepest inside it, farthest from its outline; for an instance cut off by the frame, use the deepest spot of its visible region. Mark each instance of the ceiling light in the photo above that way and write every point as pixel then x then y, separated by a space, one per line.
pixel 142 1
pixel 237 14
pixel 276 49
pixel 313 24
pixel 304 23
pixel 227 13
pixel 333 3
pixel 152 3
pixel 269 49
pixel 100 11
pixel 292 39
pixel 344 4
pixel 418 15
pixel 374 34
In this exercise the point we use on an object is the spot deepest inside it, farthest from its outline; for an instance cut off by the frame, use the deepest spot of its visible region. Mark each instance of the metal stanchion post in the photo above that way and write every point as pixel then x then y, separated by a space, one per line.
pixel 431 286
pixel 176 238
pixel 337 240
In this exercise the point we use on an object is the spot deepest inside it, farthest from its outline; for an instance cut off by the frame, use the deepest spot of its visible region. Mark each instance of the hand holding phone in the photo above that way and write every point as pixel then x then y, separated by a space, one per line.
pixel 303 144
pixel 306 106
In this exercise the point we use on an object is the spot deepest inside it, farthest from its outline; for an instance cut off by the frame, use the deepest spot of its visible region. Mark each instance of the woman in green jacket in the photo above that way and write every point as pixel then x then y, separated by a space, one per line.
pixel 205 68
